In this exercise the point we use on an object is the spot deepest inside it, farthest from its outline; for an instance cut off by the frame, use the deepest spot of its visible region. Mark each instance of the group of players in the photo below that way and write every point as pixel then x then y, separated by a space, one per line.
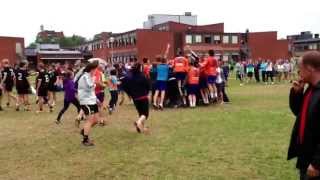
pixel 180 81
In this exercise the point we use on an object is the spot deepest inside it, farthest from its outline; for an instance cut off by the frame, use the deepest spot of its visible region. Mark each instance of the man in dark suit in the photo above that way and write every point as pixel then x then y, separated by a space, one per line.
pixel 305 105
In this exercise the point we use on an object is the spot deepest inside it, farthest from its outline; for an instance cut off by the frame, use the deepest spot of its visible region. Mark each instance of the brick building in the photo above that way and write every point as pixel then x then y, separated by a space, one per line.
pixel 148 43
pixel 12 48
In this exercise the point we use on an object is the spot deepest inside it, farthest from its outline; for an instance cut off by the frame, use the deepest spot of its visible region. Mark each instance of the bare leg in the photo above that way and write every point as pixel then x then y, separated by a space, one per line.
pixel 163 93
pixel 155 98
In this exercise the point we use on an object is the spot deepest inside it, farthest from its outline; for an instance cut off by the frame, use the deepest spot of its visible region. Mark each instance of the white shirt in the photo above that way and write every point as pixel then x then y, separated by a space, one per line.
pixel 269 67
pixel 86 92
pixel 219 78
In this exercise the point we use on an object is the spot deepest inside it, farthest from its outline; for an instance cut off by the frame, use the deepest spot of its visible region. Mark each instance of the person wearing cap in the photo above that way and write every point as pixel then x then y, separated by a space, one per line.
pixel 7 81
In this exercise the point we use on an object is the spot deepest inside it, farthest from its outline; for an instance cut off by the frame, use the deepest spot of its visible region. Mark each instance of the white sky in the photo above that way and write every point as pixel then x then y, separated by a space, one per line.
pixel 88 17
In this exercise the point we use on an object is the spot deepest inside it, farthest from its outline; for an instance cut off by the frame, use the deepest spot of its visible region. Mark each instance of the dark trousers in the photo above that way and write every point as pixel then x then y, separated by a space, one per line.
pixel 269 75
pixel 257 75
pixel 114 99
pixel 66 105
pixel 221 89
pixel 264 76
pixel 304 176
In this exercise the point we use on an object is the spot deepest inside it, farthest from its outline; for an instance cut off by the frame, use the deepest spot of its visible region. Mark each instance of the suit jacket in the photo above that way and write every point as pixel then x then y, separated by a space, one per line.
pixel 307 152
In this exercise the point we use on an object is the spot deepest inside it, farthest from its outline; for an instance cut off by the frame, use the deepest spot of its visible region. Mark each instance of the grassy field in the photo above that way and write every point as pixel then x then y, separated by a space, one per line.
pixel 246 139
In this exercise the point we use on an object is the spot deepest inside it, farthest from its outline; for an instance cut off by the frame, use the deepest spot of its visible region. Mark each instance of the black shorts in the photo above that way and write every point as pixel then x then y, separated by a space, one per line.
pixel 53 88
pixel 23 89
pixel 142 107
pixel 8 87
pixel 250 74
pixel 0 92
pixel 90 109
pixel 42 92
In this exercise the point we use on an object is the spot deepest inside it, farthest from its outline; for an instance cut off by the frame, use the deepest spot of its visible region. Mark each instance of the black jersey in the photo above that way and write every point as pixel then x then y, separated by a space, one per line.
pixel 44 77
pixel 21 78
pixel 9 73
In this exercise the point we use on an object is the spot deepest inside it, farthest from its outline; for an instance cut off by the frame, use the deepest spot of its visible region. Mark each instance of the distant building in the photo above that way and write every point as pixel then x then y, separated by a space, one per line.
pixel 303 42
pixel 12 48
pixel 46 35
pixel 156 19
pixel 52 53
pixel 148 43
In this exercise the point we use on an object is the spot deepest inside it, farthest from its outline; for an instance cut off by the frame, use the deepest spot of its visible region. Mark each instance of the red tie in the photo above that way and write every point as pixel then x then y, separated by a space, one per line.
pixel 304 111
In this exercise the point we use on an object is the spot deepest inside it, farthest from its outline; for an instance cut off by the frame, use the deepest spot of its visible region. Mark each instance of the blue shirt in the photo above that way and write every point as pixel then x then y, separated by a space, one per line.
pixel 263 66
pixel 162 72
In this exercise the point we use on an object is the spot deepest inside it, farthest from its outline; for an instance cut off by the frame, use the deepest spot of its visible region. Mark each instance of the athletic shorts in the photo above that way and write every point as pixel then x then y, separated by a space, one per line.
pixel 0 92
pixel 211 79
pixel 23 90
pixel 8 87
pixel 203 83
pixel 180 76
pixel 250 74
pixel 90 109
pixel 192 89
pixel 161 85
pixel 100 97
pixel 142 107
pixel 42 92
pixel 53 88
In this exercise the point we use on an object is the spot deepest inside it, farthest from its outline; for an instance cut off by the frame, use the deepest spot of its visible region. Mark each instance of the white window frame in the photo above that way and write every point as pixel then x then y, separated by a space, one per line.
pixel 188 39
pixel 224 40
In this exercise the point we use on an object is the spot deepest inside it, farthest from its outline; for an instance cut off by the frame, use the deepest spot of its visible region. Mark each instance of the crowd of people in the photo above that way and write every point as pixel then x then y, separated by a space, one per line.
pixel 265 71
pixel 179 82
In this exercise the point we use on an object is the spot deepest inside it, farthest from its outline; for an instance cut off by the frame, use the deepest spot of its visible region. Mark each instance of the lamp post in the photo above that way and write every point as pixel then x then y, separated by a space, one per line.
pixel 111 40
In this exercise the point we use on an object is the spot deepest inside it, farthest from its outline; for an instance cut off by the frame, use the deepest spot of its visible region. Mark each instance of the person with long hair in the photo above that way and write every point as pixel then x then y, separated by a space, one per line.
pixel 88 101
pixel 137 86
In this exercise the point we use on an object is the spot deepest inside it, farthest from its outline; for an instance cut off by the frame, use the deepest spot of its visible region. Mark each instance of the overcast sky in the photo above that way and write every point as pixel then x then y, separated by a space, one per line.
pixel 88 17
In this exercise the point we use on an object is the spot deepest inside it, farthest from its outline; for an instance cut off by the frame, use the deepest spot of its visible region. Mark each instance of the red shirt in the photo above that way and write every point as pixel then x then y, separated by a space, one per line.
pixel 210 65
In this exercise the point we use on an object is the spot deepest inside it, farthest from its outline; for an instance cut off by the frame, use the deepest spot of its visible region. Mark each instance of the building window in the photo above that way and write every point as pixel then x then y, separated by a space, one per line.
pixel 216 39
pixel 225 39
pixel 207 39
pixel 18 48
pixel 313 47
pixel 234 39
pixel 188 39
pixel 198 39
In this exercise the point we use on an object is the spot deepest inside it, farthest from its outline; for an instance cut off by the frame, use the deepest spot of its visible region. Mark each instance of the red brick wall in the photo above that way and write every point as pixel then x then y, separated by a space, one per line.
pixel 266 46
pixel 8 48
pixel 151 44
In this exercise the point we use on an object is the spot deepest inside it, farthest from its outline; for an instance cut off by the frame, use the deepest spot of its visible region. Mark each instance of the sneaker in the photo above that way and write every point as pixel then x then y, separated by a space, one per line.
pixel 51 108
pixel 88 143
pixel 110 111
pixel 57 121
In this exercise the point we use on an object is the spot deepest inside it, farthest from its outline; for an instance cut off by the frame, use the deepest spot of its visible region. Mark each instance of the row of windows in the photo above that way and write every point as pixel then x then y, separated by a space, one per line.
pixel 211 39
pixel 307 47
pixel 120 59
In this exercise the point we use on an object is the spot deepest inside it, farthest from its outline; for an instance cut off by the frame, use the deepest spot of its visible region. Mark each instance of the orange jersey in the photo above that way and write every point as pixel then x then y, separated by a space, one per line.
pixel 193 76
pixel 146 70
pixel 180 64
pixel 98 78
pixel 210 65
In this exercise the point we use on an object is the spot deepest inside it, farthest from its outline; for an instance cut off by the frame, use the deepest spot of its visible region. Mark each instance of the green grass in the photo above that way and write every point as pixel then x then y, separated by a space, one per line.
pixel 247 139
